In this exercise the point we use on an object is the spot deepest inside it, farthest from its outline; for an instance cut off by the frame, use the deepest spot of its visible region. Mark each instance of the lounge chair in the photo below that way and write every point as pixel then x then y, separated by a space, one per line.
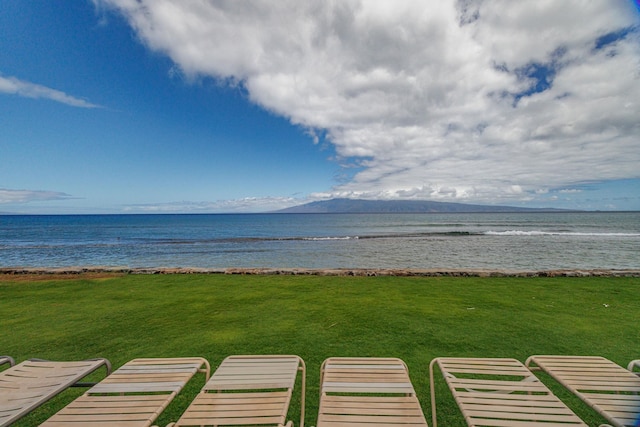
pixel 133 396
pixel 614 392
pixel 361 392
pixel 247 390
pixel 500 392
pixel 633 365
pixel 29 384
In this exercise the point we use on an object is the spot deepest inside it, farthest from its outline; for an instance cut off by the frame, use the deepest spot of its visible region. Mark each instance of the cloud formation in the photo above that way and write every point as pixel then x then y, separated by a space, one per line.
pixel 244 205
pixel 14 86
pixel 470 100
pixel 8 196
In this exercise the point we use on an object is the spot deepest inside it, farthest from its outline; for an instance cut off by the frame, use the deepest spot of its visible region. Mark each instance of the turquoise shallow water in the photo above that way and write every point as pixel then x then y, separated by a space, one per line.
pixel 451 241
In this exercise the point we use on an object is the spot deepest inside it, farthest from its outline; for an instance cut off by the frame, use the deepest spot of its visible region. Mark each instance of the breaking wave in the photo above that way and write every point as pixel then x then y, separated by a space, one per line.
pixel 266 239
pixel 330 238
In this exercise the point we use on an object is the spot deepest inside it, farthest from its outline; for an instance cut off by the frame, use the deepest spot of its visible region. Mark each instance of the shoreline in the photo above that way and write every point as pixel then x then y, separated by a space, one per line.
pixel 400 272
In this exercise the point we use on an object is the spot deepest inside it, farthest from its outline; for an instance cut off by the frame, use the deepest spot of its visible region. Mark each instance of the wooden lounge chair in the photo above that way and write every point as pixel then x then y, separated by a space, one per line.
pixel 133 396
pixel 247 390
pixel 29 384
pixel 366 392
pixel 500 392
pixel 611 390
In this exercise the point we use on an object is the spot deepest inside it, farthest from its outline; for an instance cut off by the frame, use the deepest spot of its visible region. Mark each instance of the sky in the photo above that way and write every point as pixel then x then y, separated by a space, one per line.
pixel 181 106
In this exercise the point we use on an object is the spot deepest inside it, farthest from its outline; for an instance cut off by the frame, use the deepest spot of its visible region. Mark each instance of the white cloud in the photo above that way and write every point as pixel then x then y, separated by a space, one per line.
pixel 8 196
pixel 248 204
pixel 570 191
pixel 477 100
pixel 14 86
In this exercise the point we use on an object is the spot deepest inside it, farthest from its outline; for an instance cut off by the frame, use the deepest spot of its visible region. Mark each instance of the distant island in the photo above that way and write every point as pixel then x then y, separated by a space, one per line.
pixel 402 206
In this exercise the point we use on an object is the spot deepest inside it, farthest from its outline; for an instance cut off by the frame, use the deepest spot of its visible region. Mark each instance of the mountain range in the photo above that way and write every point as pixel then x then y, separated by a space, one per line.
pixel 401 206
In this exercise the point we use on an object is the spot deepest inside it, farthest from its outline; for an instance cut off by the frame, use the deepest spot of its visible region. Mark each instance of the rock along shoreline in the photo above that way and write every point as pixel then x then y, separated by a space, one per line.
pixel 323 272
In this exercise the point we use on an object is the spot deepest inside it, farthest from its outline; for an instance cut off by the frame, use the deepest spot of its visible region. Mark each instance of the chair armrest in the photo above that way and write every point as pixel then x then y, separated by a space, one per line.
pixel 7 359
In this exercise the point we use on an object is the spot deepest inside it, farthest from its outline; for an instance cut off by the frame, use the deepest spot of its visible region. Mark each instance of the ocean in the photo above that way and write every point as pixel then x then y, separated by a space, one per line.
pixel 495 241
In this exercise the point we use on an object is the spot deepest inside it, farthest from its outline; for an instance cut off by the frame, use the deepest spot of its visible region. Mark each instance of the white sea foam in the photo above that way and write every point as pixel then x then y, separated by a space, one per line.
pixel 331 238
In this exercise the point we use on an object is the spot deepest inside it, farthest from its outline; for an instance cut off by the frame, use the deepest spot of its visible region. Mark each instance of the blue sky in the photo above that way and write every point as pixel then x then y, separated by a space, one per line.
pixel 116 106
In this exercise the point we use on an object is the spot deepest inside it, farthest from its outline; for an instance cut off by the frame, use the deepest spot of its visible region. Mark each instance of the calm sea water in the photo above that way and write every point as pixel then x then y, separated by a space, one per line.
pixel 449 241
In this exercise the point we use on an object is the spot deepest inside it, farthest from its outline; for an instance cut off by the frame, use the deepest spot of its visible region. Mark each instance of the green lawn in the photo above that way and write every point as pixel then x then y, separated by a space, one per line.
pixel 315 317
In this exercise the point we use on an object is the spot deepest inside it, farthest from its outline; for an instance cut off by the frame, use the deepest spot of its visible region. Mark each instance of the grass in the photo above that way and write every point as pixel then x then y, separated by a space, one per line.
pixel 315 317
